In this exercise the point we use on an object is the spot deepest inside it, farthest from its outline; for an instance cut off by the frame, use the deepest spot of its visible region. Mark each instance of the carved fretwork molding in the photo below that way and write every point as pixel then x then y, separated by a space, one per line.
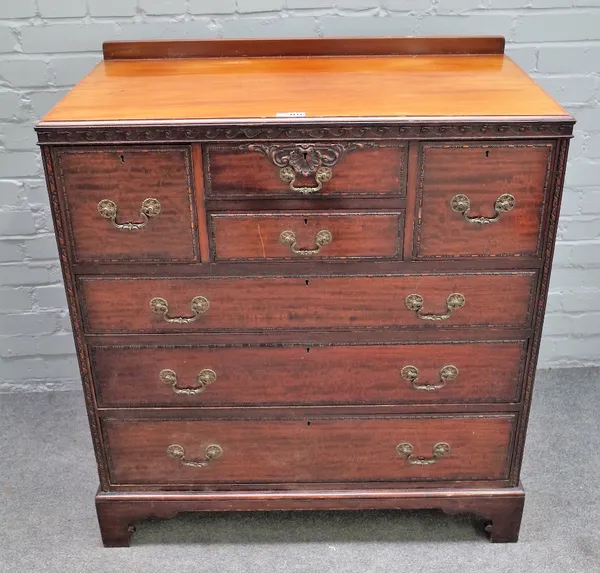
pixel 157 134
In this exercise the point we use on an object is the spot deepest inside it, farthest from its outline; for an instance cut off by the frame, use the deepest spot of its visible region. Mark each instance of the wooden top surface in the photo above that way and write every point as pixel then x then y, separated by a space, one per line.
pixel 344 87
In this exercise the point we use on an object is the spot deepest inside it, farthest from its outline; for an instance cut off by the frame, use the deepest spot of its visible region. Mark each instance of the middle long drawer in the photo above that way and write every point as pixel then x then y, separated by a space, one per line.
pixel 155 305
pixel 199 376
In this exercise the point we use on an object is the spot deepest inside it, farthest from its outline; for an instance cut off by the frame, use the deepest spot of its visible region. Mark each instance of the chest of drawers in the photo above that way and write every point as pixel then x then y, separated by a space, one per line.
pixel 307 274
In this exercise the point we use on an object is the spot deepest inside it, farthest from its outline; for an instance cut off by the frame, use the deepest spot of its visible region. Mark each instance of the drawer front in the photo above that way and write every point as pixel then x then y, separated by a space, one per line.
pixel 312 169
pixel 409 301
pixel 481 199
pixel 308 450
pixel 390 374
pixel 265 236
pixel 130 204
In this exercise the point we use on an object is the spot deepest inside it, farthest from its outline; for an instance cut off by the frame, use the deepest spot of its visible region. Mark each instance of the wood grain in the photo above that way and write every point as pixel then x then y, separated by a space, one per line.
pixel 126 50
pixel 314 337
pixel 129 376
pixel 483 171
pixel 501 509
pixel 234 172
pixel 368 87
pixel 256 236
pixel 121 304
pixel 308 403
pixel 308 450
pixel 128 176
pixel 202 221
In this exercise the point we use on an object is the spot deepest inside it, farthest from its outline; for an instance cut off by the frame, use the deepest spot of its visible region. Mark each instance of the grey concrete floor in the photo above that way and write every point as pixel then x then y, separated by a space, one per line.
pixel 48 522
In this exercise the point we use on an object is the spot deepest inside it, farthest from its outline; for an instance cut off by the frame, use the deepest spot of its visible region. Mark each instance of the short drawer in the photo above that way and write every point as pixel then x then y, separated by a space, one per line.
pixel 481 199
pixel 129 204
pixel 305 169
pixel 299 236
pixel 113 304
pixel 308 450
pixel 199 376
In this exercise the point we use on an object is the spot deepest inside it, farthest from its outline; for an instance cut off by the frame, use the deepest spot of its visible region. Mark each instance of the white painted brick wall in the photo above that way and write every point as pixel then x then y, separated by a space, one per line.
pixel 48 45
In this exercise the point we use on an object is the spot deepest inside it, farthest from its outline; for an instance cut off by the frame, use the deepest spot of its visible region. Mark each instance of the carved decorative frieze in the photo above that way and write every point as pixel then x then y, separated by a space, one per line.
pixel 124 134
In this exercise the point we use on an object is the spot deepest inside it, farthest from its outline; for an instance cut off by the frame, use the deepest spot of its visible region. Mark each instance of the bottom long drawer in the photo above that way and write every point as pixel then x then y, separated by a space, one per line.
pixel 309 450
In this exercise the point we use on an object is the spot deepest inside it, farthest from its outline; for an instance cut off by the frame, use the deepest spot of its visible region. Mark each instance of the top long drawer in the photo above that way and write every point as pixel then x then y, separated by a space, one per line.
pixel 312 302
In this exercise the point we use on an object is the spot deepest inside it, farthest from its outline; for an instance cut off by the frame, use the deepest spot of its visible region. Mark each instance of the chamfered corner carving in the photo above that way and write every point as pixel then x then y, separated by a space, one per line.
pixel 550 241
pixel 72 297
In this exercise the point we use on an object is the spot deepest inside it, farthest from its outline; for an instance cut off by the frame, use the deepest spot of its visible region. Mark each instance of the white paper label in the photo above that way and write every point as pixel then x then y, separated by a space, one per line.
pixel 290 114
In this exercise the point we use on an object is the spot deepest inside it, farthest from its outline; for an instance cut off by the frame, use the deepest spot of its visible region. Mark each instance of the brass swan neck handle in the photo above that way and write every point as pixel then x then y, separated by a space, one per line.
pixel 416 302
pixel 462 204
pixel 411 373
pixel 150 208
pixel 205 378
pixel 322 238
pixel 212 452
pixel 405 450
pixel 198 305
pixel 322 175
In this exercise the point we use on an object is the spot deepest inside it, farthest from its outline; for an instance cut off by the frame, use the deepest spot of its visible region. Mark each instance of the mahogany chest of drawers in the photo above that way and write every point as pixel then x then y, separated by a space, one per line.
pixel 307 274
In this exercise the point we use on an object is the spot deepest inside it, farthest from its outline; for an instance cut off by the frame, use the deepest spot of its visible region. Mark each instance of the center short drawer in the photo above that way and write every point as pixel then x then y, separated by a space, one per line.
pixel 467 300
pixel 301 236
pixel 187 452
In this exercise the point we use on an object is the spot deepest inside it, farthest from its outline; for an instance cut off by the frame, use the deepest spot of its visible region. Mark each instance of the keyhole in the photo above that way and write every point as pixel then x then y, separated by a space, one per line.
pixel 306 221
pixel 487 153
pixel 308 423
pixel 122 158
pixel 307 350
pixel 306 281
